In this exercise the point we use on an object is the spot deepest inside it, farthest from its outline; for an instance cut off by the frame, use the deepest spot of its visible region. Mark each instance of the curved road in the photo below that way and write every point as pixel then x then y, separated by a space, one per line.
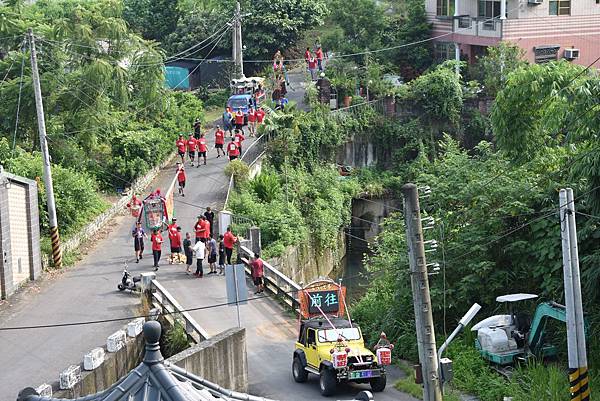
pixel 31 357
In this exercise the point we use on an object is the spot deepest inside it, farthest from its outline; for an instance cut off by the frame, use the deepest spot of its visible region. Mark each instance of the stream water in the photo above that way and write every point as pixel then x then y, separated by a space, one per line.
pixel 353 273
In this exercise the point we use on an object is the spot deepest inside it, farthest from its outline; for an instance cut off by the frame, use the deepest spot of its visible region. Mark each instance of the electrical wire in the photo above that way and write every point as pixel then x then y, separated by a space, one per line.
pixel 131 317
pixel 14 142
pixel 591 216
pixel 223 28
pixel 7 71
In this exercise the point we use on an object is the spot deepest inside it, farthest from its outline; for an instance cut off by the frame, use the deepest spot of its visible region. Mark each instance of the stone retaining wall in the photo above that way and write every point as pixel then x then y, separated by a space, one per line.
pixel 119 207
pixel 221 359
pixel 303 263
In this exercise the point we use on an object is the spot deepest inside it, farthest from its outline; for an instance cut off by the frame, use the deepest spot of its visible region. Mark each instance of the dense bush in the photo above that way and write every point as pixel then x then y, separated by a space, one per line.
pixel 76 192
pixel 296 206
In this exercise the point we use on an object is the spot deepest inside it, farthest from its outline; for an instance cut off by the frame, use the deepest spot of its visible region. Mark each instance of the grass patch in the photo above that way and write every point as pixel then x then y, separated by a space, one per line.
pixel 213 114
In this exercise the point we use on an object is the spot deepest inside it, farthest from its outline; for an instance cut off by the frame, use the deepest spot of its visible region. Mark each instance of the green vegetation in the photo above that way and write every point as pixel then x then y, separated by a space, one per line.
pixel 180 24
pixel 109 119
pixel 175 339
pixel 367 25
pixel 494 203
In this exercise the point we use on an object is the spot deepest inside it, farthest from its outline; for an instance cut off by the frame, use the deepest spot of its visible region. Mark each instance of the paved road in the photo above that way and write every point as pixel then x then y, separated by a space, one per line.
pixel 270 332
pixel 32 357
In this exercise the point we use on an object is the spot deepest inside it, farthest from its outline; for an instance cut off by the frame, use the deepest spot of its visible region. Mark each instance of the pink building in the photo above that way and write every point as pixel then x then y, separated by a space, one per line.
pixel 545 29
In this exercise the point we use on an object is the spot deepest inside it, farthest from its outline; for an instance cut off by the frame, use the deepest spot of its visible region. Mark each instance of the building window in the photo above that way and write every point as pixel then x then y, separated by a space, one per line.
pixel 488 9
pixel 560 7
pixel 443 51
pixel 445 8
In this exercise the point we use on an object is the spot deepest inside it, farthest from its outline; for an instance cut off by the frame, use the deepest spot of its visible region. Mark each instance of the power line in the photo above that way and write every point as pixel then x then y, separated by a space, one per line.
pixel 14 144
pixel 591 216
pixel 7 71
pixel 211 306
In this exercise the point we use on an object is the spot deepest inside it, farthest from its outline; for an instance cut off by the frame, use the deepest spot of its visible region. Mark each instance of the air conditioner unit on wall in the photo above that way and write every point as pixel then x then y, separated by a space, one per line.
pixel 535 2
pixel 571 54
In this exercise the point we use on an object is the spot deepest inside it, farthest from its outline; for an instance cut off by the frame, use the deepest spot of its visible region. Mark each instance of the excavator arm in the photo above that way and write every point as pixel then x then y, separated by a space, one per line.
pixel 543 312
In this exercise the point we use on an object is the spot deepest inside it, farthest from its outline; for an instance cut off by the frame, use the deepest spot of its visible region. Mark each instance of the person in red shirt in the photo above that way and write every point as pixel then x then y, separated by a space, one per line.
pixel 202 149
pixel 219 141
pixel 191 144
pixel 319 54
pixel 307 55
pixel 180 143
pixel 312 67
pixel 200 229
pixel 238 139
pixel 175 246
pixel 260 115
pixel 181 178
pixel 157 241
pixel 252 121
pixel 233 150
pixel 228 241
pixel 206 229
pixel 239 119
pixel 257 269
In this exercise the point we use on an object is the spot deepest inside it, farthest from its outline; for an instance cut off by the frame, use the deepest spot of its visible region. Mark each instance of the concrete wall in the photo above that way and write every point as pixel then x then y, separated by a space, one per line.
pixel 302 263
pixel 115 366
pixel 370 214
pixel 221 359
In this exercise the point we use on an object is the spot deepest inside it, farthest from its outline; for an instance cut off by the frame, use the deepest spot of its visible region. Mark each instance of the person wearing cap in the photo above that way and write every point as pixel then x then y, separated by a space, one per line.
pixel 181 144
pixel 197 129
pixel 228 120
pixel 138 235
pixel 219 141
pixel 173 239
pixel 181 178
pixel 239 119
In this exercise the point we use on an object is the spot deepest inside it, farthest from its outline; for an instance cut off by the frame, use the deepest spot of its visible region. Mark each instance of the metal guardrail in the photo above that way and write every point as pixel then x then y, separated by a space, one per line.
pixel 275 281
pixel 376 105
pixel 162 299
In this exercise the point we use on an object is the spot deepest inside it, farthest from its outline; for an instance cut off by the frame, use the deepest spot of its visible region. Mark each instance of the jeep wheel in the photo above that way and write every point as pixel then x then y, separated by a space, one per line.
pixel 298 371
pixel 378 384
pixel 327 382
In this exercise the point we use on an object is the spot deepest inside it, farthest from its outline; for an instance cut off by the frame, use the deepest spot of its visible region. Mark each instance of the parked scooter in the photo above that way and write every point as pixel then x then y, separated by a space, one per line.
pixel 128 282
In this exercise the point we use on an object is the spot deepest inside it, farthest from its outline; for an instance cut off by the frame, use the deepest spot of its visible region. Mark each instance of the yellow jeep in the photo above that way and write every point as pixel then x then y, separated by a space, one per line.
pixel 335 354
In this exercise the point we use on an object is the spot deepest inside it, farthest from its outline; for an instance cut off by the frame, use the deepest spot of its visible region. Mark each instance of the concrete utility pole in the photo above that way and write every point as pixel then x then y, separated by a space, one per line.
pixel 39 106
pixel 576 347
pixel 421 299
pixel 237 42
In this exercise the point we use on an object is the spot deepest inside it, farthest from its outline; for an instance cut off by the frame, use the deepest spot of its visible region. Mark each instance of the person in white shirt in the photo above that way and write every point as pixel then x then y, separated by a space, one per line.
pixel 199 249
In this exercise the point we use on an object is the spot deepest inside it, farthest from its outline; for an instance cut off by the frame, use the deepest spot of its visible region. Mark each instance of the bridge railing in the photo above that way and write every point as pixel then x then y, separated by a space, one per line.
pixel 172 310
pixel 275 281
pixel 376 105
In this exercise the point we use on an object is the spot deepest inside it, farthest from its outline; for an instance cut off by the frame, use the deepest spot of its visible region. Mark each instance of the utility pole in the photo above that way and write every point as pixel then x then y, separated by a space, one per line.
pixel 576 347
pixel 237 42
pixel 39 106
pixel 421 299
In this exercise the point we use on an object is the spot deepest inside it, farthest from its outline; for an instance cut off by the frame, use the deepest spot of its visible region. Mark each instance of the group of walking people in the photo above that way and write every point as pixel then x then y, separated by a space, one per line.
pixel 215 251
pixel 314 62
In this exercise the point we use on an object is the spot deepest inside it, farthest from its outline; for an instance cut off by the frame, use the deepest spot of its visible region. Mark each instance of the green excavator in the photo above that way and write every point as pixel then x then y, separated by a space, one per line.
pixel 505 340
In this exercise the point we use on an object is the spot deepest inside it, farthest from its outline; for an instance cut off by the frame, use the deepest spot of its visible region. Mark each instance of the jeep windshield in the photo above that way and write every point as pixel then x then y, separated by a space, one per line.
pixel 332 335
